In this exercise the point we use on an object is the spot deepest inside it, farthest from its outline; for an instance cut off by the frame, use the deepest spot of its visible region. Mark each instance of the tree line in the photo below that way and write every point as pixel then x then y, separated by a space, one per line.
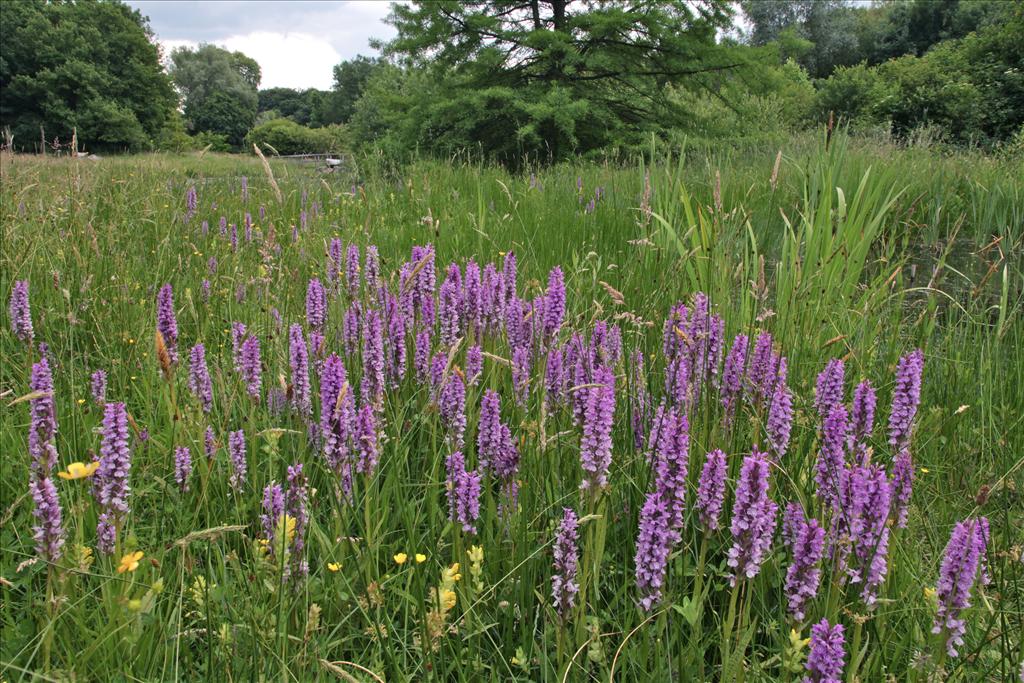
pixel 532 79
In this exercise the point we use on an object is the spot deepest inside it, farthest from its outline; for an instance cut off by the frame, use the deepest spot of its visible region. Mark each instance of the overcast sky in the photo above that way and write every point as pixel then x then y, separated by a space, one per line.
pixel 296 43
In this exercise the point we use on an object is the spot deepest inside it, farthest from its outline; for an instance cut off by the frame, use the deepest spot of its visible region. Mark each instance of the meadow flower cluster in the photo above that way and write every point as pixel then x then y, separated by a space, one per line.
pixel 510 408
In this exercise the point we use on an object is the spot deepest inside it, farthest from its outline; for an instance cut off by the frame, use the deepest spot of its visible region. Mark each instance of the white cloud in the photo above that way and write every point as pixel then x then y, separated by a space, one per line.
pixel 288 60
pixel 297 43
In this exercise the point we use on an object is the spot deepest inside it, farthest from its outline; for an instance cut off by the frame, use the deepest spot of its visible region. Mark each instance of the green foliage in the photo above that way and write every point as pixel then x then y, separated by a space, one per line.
pixel 218 88
pixel 225 113
pixel 89 65
pixel 288 137
pixel 970 90
pixel 350 79
pixel 306 107
pixel 552 79
pixel 860 280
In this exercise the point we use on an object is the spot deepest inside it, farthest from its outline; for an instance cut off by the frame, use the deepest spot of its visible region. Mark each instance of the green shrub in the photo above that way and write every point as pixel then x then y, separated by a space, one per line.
pixel 288 137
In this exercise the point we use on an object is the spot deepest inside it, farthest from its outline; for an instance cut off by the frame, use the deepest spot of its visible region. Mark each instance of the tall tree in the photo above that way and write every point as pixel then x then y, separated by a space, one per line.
pixel 550 77
pixel 350 78
pixel 90 65
pixel 218 88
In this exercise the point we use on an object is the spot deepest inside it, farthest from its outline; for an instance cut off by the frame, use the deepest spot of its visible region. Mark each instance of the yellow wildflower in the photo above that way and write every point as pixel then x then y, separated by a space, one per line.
pixel 420 558
pixel 81 401
pixel 130 562
pixel 333 566
pixel 78 470
pixel 400 558
pixel 447 599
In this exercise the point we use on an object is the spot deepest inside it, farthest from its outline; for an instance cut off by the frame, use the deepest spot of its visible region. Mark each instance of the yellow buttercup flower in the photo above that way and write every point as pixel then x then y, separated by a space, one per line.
pixel 400 558
pixel 333 566
pixel 78 470
pixel 130 562
pixel 81 401
pixel 420 558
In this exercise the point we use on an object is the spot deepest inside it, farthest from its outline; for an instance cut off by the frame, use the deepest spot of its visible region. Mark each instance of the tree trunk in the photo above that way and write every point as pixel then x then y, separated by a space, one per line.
pixel 558 10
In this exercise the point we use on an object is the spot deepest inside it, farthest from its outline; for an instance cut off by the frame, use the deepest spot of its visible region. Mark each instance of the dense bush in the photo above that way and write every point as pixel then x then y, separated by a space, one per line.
pixel 288 137
pixel 970 90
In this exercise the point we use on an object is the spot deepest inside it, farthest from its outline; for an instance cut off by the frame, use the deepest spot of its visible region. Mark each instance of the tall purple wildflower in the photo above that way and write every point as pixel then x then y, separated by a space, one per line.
pixel 828 390
pixel 298 361
pixel 351 329
pixel 780 415
pixel 296 503
pixel 236 453
pixel 902 486
pixel 825 659
pixel 760 374
pixel 273 509
pixel 753 518
pixel 337 417
pixel 111 479
pixel 711 490
pixel 425 283
pixel 961 562
pixel 421 355
pixel 509 274
pixel 199 382
pixel 252 366
pixel 804 574
pixel 661 517
pixel 596 444
pixel 452 407
pixel 831 458
pixel 463 489
pixel 732 376
pixel 492 298
pixel 316 305
pixel 191 202
pixel 521 374
pixel 48 531
pixel 334 257
pixel 639 398
pixel 98 386
pixel 182 466
pixel 564 586
pixel 21 312
pixel 365 437
pixel 352 271
pixel 554 303
pixel 474 365
pixel 42 428
pixel 863 509
pixel 906 397
pixel 489 428
pixel 554 378
pixel 372 268
pixel 209 443
pixel 450 307
pixel 166 322
pixel 238 331
pixel 372 383
pixel 472 297
pixel 863 418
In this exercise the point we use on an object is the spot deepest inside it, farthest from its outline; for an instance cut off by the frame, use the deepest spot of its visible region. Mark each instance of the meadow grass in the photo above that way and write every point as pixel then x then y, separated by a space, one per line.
pixel 840 250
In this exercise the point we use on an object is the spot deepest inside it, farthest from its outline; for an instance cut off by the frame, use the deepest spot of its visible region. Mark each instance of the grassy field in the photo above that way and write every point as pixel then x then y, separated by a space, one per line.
pixel 846 250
